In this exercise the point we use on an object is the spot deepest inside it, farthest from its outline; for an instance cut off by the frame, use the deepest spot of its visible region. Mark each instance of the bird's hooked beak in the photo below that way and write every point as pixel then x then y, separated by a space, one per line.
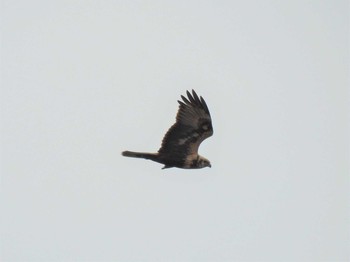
pixel 209 165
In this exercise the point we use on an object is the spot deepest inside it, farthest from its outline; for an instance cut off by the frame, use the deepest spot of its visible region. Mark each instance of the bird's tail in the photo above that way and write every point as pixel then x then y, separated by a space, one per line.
pixel 151 156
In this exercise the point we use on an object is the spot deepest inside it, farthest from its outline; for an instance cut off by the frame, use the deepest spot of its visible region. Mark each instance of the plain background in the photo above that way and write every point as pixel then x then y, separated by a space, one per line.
pixel 84 80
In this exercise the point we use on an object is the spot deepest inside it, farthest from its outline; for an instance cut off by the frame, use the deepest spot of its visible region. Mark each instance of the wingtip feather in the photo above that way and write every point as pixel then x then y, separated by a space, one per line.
pixel 185 100
pixel 196 98
pixel 204 105
pixel 190 97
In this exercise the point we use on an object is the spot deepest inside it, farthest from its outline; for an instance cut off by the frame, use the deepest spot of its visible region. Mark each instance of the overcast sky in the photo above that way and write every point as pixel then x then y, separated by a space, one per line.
pixel 84 80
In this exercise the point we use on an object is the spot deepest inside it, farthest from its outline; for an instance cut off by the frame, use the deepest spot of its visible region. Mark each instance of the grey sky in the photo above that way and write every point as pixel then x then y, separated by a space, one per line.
pixel 84 80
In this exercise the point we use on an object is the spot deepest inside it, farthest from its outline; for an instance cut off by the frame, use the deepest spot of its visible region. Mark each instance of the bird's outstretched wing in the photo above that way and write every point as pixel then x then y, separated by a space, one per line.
pixel 193 125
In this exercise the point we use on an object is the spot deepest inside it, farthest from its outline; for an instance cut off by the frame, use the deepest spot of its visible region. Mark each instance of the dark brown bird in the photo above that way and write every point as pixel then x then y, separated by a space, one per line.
pixel 180 144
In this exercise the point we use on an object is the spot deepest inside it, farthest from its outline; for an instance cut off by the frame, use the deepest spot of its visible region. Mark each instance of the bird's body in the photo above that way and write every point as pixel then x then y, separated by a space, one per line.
pixel 180 144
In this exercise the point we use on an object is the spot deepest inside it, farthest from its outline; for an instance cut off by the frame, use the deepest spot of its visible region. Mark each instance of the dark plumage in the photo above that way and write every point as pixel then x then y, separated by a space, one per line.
pixel 180 144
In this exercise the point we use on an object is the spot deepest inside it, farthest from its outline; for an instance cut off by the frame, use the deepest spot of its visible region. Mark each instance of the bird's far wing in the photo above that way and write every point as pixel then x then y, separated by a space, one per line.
pixel 193 125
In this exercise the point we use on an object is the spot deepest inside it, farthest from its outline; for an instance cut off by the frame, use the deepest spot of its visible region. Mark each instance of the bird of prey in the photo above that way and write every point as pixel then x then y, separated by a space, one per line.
pixel 180 144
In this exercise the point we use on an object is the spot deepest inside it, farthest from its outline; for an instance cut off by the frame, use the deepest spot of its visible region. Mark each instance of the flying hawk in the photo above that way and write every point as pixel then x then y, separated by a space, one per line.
pixel 180 144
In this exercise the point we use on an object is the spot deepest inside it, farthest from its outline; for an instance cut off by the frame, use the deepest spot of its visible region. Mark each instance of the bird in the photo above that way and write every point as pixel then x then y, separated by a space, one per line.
pixel 180 144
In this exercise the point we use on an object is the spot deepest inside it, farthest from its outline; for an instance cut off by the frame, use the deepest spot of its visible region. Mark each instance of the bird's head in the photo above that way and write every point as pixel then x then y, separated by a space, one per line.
pixel 203 162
